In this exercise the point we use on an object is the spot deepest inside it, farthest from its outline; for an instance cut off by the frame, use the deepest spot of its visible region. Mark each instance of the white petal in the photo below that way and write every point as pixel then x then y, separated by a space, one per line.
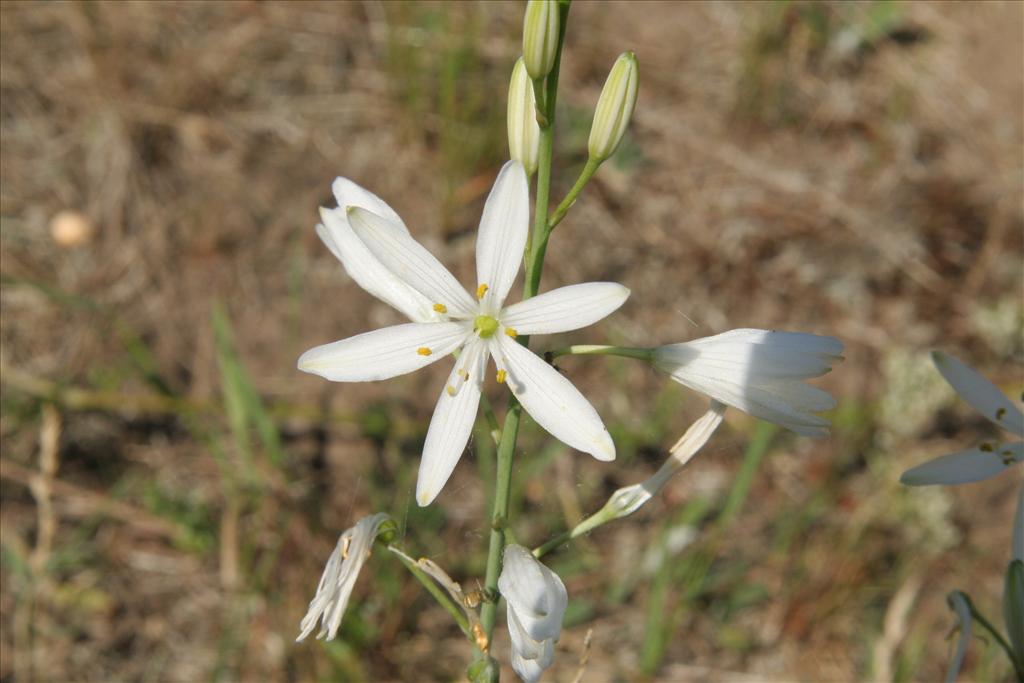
pixel 535 592
pixel 565 308
pixel 529 670
pixel 552 400
pixel 502 238
pixel 980 393
pixel 965 467
pixel 522 643
pixel 384 353
pixel 367 271
pixel 410 261
pixel 452 422
pixel 347 193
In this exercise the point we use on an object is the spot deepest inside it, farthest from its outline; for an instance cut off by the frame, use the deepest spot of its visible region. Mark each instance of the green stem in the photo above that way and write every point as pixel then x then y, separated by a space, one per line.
pixel 442 597
pixel 980 618
pixel 536 248
pixel 599 518
pixel 602 350
pixel 585 175
pixel 492 420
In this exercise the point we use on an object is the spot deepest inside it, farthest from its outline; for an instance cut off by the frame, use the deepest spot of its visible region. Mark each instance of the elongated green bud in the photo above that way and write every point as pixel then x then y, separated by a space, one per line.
pixel 615 107
pixel 540 37
pixel 523 130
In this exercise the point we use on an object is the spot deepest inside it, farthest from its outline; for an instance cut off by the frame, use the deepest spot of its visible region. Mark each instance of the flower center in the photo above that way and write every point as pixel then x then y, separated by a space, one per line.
pixel 485 326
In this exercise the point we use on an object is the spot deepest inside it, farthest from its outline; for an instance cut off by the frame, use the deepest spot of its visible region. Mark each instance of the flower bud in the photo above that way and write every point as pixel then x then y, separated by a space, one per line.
pixel 523 130
pixel 615 107
pixel 540 37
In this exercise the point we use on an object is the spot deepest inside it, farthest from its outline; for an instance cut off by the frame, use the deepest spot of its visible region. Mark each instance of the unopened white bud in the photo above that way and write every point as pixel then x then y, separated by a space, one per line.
pixel 523 130
pixel 540 37
pixel 615 107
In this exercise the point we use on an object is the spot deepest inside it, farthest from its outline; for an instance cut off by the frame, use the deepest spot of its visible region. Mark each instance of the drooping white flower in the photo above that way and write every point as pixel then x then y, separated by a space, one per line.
pixel 377 251
pixel 536 600
pixel 339 577
pixel 989 458
pixel 759 372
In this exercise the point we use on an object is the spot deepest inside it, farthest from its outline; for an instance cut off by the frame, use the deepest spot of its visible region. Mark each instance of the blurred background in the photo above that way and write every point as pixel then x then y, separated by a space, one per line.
pixel 172 485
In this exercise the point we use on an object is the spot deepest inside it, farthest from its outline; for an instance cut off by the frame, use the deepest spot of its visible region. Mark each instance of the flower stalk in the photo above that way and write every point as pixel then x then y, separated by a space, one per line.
pixel 535 248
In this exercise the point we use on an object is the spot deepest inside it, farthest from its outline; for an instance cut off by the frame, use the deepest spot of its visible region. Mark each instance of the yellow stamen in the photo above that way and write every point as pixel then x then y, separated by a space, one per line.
pixel 424 351
pixel 451 390
pixel 440 308
pixel 461 372
pixel 502 375
pixel 511 331
pixel 481 290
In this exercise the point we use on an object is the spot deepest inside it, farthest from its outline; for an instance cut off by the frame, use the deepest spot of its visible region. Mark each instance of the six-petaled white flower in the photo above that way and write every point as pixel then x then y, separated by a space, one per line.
pixel 339 577
pixel 759 372
pixel 989 458
pixel 378 252
pixel 536 600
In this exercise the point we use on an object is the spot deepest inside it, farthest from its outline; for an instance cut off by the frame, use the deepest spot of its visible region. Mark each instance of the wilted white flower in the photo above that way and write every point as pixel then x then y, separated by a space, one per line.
pixel 523 129
pixel 759 372
pixel 629 499
pixel 987 459
pixel 614 107
pixel 536 600
pixel 540 36
pixel 377 251
pixel 339 577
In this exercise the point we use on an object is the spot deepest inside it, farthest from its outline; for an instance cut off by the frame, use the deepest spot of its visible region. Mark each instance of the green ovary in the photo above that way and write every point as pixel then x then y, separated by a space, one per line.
pixel 485 326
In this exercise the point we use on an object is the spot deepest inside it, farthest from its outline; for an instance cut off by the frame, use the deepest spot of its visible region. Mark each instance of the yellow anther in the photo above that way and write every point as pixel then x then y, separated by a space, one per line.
pixel 461 372
pixel 511 331
pixel 502 375
pixel 424 351
pixel 440 308
pixel 451 390
pixel 481 290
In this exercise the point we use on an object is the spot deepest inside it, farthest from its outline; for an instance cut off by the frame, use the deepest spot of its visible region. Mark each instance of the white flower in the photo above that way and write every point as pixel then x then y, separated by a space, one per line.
pixel 987 459
pixel 339 577
pixel 377 251
pixel 759 372
pixel 536 600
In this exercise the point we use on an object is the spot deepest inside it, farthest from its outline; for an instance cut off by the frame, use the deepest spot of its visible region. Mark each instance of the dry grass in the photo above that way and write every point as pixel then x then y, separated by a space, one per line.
pixel 845 169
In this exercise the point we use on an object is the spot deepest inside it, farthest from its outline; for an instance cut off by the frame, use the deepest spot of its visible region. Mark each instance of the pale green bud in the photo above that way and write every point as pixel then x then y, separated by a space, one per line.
pixel 523 130
pixel 615 107
pixel 540 37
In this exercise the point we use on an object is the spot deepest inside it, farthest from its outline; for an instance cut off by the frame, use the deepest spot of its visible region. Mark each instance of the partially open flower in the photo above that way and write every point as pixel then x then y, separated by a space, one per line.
pixel 536 600
pixel 759 372
pixel 987 459
pixel 339 577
